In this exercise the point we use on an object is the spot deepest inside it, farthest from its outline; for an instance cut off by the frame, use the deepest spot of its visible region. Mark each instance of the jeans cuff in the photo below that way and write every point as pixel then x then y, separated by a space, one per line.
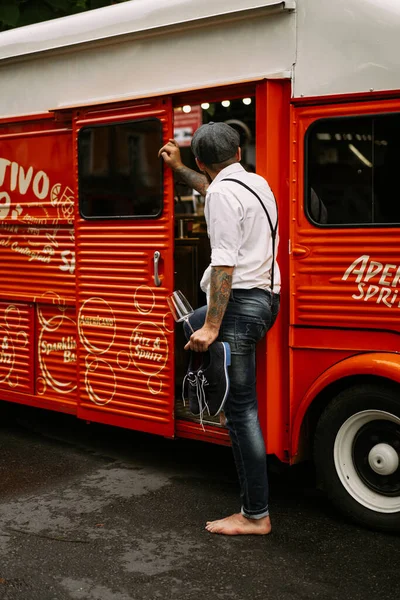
pixel 259 515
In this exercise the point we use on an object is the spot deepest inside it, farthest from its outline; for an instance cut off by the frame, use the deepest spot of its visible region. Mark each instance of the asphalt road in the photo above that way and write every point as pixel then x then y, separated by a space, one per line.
pixel 95 513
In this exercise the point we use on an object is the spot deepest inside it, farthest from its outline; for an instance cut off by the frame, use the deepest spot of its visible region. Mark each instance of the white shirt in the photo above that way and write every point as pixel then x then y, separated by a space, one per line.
pixel 239 232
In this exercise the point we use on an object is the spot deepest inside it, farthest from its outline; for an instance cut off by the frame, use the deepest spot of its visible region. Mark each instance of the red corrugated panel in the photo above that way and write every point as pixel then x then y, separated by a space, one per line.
pixel 36 211
pixel 345 292
pixel 341 277
pixel 37 249
pixel 125 355
pixel 56 353
pixel 34 181
pixel 16 347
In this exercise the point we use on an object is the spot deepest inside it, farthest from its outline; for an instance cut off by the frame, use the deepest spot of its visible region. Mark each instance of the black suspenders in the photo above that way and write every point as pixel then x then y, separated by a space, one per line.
pixel 274 230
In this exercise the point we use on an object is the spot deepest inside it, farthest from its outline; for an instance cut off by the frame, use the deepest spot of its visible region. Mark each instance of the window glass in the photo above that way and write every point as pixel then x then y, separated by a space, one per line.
pixel 120 174
pixel 351 168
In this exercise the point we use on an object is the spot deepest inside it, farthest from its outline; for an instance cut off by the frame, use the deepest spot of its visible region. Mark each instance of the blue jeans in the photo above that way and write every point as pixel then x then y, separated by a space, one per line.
pixel 248 316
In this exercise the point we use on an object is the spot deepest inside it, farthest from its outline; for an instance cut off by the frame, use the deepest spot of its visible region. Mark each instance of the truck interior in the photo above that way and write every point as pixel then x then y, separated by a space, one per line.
pixel 192 247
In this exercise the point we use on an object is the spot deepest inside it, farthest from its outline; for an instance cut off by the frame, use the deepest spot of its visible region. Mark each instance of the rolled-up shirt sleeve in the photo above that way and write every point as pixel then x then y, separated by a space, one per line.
pixel 225 217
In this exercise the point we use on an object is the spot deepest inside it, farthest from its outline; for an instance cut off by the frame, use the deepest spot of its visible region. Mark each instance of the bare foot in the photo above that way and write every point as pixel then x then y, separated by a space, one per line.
pixel 239 525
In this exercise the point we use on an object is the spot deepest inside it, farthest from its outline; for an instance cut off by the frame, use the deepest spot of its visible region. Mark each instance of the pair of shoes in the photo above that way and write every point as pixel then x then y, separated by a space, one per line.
pixel 208 385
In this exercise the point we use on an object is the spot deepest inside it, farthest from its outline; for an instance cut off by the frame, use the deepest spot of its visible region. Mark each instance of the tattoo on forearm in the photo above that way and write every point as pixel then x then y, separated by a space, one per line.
pixel 193 179
pixel 220 289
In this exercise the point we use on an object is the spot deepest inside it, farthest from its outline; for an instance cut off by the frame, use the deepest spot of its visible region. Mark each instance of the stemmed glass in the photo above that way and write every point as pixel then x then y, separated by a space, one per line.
pixel 180 308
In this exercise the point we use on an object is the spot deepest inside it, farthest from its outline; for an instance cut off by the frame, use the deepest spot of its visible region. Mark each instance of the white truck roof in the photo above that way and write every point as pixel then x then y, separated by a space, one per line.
pixel 149 47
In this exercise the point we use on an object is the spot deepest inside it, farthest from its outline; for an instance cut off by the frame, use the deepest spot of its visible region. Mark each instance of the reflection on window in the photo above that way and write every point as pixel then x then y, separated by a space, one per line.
pixel 352 164
pixel 120 174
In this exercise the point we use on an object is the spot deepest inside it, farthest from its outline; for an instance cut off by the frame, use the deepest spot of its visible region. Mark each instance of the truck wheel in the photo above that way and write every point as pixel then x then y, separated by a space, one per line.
pixel 357 454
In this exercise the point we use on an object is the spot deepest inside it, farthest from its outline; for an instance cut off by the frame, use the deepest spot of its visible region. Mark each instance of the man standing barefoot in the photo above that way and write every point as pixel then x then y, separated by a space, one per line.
pixel 242 285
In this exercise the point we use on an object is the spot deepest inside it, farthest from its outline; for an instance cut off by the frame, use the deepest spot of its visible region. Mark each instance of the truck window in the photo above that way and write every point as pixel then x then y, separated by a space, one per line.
pixel 352 167
pixel 119 173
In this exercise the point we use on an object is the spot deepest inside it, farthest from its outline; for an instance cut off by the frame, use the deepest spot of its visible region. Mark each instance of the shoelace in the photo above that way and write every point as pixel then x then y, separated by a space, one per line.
pixel 201 395
pixel 198 381
pixel 202 383
pixel 191 379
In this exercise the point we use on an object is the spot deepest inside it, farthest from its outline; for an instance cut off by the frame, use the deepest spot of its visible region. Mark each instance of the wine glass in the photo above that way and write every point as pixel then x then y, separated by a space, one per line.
pixel 180 308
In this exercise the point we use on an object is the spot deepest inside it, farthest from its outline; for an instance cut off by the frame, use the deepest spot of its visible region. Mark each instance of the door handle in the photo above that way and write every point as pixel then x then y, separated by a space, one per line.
pixel 300 251
pixel 157 280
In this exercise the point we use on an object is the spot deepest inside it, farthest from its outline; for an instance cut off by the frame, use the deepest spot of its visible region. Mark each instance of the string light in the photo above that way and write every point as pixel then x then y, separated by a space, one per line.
pixel 225 103
pixel 205 106
pixel 246 101
pixel 187 108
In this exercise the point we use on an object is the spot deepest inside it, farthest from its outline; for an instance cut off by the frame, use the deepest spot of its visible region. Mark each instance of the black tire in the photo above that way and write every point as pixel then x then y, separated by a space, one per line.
pixel 360 477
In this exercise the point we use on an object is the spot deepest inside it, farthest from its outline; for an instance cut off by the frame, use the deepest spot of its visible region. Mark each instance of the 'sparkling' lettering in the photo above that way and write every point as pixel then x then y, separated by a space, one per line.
pixel 66 343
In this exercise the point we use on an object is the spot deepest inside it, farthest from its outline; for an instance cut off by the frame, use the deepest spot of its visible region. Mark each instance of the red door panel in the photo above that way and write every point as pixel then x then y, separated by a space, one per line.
pixel 125 330
pixel 342 277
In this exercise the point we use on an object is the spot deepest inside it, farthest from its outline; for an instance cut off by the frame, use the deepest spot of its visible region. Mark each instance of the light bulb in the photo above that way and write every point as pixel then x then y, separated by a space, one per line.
pixel 187 108
pixel 205 106
pixel 226 103
pixel 246 101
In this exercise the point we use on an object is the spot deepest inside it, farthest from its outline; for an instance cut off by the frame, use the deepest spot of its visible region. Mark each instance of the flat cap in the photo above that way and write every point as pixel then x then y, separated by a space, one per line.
pixel 215 142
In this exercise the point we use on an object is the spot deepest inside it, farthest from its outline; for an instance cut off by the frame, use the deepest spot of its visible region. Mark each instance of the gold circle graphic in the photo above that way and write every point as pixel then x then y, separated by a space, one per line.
pixel 9 315
pixel 166 318
pixel 95 386
pixel 7 354
pixel 62 387
pixel 152 382
pixel 123 359
pixel 141 304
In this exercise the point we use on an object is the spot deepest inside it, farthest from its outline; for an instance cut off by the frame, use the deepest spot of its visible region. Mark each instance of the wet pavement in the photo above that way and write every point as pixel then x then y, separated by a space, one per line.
pixel 95 513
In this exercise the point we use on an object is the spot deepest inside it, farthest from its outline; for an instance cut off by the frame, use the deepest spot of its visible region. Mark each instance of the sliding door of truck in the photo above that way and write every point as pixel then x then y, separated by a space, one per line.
pixel 124 265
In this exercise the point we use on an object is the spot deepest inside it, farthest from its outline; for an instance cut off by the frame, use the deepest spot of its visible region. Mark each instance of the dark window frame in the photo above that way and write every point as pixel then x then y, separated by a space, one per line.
pixel 306 202
pixel 123 217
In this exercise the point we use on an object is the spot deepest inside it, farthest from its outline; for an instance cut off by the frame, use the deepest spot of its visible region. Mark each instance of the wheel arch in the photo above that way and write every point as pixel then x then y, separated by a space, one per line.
pixel 381 368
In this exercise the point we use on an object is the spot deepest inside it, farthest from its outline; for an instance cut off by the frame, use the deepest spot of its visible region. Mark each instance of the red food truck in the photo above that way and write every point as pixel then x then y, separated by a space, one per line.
pixel 95 233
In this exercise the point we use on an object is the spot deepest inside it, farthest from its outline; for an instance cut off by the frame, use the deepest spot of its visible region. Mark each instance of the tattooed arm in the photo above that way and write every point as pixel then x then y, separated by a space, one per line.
pixel 193 179
pixel 220 289
pixel 172 157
